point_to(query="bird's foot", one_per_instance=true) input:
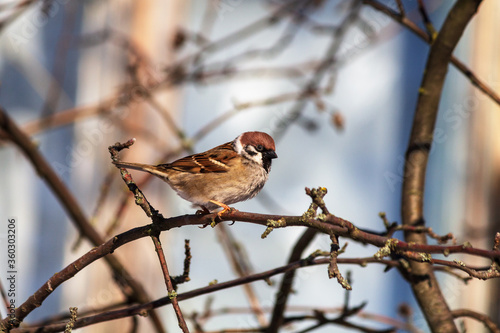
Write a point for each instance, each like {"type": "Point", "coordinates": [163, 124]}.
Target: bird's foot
{"type": "Point", "coordinates": [225, 208]}
{"type": "Point", "coordinates": [218, 218]}
{"type": "Point", "coordinates": [202, 211]}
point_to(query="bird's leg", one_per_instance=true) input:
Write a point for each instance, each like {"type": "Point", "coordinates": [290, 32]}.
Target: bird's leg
{"type": "Point", "coordinates": [225, 208]}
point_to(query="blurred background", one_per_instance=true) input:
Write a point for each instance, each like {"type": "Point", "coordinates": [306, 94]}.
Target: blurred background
{"type": "Point", "coordinates": [334, 82]}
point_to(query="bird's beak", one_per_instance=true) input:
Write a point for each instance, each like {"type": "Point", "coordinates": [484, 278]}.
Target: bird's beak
{"type": "Point", "coordinates": [270, 154]}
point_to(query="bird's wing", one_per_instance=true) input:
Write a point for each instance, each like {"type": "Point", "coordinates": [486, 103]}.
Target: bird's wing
{"type": "Point", "coordinates": [213, 160]}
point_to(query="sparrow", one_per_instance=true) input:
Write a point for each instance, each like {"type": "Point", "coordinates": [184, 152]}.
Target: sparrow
{"type": "Point", "coordinates": [232, 172]}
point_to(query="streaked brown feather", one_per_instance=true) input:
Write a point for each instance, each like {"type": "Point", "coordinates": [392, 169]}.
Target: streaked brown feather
{"type": "Point", "coordinates": [215, 161]}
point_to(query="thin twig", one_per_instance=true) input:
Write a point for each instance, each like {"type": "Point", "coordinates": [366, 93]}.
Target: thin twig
{"type": "Point", "coordinates": [333, 269]}
{"type": "Point", "coordinates": [172, 294]}
{"type": "Point", "coordinates": [403, 20]}
{"type": "Point", "coordinates": [155, 231]}
{"type": "Point", "coordinates": [241, 265]}
{"type": "Point", "coordinates": [431, 32]}
{"type": "Point", "coordinates": [147, 307]}
{"type": "Point", "coordinates": [326, 67]}
{"type": "Point", "coordinates": [328, 224]}
{"type": "Point", "coordinates": [128, 285]}
{"type": "Point", "coordinates": [401, 7]}
{"type": "Point", "coordinates": [487, 321]}
{"type": "Point", "coordinates": [287, 281]}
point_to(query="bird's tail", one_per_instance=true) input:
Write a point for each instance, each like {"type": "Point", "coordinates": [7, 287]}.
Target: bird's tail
{"type": "Point", "coordinates": [154, 170]}
{"type": "Point", "coordinates": [135, 166]}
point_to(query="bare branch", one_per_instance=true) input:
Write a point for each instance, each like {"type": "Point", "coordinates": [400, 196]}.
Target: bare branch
{"type": "Point", "coordinates": [488, 322]}
{"type": "Point", "coordinates": [423, 282]}
{"type": "Point", "coordinates": [405, 21]}
{"type": "Point", "coordinates": [172, 294]}
{"type": "Point", "coordinates": [129, 286]}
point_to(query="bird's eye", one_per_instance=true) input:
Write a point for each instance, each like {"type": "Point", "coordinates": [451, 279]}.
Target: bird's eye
{"type": "Point", "coordinates": [259, 148]}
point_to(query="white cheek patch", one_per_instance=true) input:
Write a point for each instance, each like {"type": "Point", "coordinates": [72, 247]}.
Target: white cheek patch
{"type": "Point", "coordinates": [238, 147]}
{"type": "Point", "coordinates": [256, 157]}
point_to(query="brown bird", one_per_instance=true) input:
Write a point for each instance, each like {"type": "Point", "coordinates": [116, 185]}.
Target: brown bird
{"type": "Point", "coordinates": [229, 173]}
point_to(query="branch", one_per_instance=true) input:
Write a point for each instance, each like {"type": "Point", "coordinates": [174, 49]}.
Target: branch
{"type": "Point", "coordinates": [241, 265]}
{"type": "Point", "coordinates": [143, 309]}
{"type": "Point", "coordinates": [128, 285]}
{"type": "Point", "coordinates": [325, 222]}
{"type": "Point", "coordinates": [403, 20]}
{"type": "Point", "coordinates": [327, 225]}
{"type": "Point", "coordinates": [141, 200]}
{"type": "Point", "coordinates": [325, 67]}
{"type": "Point", "coordinates": [487, 321]}
{"type": "Point", "coordinates": [287, 281]}
{"type": "Point", "coordinates": [423, 281]}
{"type": "Point", "coordinates": [172, 294]}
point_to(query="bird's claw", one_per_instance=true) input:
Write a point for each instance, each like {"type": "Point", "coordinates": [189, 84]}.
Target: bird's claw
{"type": "Point", "coordinates": [218, 217]}
{"type": "Point", "coordinates": [212, 222]}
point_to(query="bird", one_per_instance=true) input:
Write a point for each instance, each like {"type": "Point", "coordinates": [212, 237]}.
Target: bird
{"type": "Point", "coordinates": [232, 172]}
